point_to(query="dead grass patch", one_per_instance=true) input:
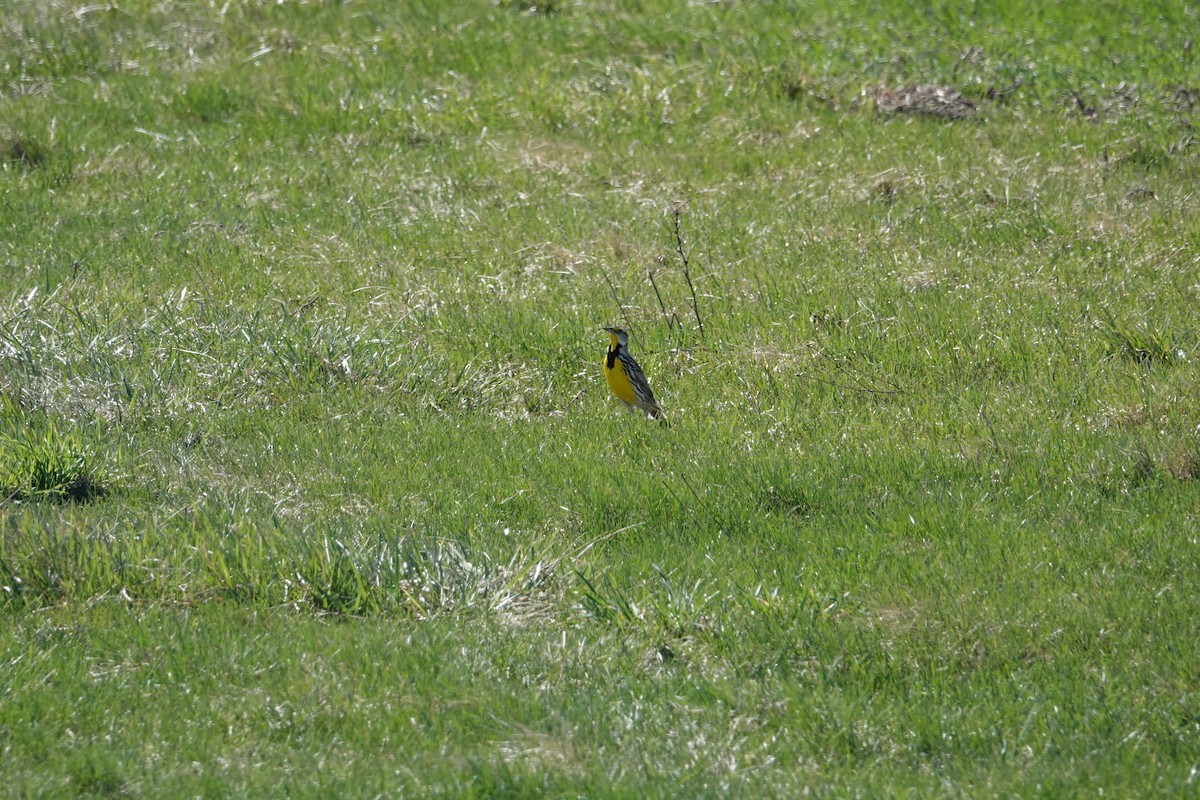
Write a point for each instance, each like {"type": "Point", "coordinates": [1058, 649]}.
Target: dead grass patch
{"type": "Point", "coordinates": [1092, 104]}
{"type": "Point", "coordinates": [921, 280]}
{"type": "Point", "coordinates": [120, 161]}
{"type": "Point", "coordinates": [512, 390]}
{"type": "Point", "coordinates": [1187, 97]}
{"type": "Point", "coordinates": [627, 252]}
{"type": "Point", "coordinates": [1123, 417]}
{"type": "Point", "coordinates": [551, 258]}
{"type": "Point", "coordinates": [538, 749]}
{"type": "Point", "coordinates": [893, 617]}
{"type": "Point", "coordinates": [924, 100]}
{"type": "Point", "coordinates": [558, 158]}
{"type": "Point", "coordinates": [1184, 465]}
{"type": "Point", "coordinates": [777, 360]}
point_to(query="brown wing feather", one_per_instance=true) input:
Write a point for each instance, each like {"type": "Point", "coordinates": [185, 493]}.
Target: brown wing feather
{"type": "Point", "coordinates": [641, 387]}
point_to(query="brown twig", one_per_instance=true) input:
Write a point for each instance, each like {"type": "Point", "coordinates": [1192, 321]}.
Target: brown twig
{"type": "Point", "coordinates": [687, 275]}
{"type": "Point", "coordinates": [857, 383]}
{"type": "Point", "coordinates": [666, 315]}
{"type": "Point", "coordinates": [859, 388]}
{"type": "Point", "coordinates": [620, 306]}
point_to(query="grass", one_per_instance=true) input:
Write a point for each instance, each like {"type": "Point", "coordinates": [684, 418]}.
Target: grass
{"type": "Point", "coordinates": [312, 487]}
{"type": "Point", "coordinates": [40, 463]}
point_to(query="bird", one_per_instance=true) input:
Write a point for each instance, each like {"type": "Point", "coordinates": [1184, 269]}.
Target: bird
{"type": "Point", "coordinates": [626, 378]}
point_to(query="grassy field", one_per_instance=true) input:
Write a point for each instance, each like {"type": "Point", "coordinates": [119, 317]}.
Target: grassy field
{"type": "Point", "coordinates": [310, 485]}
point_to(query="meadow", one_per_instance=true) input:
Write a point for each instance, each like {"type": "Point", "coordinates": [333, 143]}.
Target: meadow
{"type": "Point", "coordinates": [310, 485]}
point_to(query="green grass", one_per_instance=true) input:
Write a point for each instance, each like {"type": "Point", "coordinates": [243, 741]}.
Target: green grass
{"type": "Point", "coordinates": [310, 484]}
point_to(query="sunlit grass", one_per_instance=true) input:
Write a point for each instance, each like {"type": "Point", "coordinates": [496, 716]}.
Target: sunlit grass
{"type": "Point", "coordinates": [309, 299]}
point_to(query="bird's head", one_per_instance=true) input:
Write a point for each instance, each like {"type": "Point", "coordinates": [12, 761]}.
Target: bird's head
{"type": "Point", "coordinates": [619, 337]}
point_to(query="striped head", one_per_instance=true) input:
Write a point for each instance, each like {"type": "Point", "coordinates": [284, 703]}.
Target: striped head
{"type": "Point", "coordinates": [620, 339]}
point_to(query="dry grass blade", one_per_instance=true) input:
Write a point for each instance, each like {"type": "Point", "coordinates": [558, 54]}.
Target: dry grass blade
{"type": "Point", "coordinates": [676, 212]}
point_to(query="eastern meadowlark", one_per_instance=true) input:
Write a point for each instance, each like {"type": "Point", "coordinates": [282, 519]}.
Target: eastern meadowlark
{"type": "Point", "coordinates": [626, 378]}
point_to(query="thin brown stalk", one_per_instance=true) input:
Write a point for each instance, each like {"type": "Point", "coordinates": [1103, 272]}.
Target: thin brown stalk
{"type": "Point", "coordinates": [617, 299]}
{"type": "Point", "coordinates": [687, 275]}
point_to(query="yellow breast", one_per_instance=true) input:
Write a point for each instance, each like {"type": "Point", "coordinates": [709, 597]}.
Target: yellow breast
{"type": "Point", "coordinates": [618, 381]}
